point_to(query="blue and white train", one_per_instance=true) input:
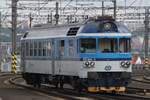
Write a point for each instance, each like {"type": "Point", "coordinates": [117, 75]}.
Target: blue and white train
{"type": "Point", "coordinates": [93, 56]}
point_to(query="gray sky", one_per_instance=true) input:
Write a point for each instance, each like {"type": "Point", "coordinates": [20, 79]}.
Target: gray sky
{"type": "Point", "coordinates": [120, 2]}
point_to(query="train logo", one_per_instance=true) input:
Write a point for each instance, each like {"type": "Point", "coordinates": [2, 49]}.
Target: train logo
{"type": "Point", "coordinates": [108, 68]}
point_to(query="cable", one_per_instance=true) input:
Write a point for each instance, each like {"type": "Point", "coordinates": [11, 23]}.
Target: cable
{"type": "Point", "coordinates": [132, 3]}
{"type": "Point", "coordinates": [67, 5]}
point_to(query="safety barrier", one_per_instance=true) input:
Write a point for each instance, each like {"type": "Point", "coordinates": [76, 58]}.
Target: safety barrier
{"type": "Point", "coordinates": [14, 63]}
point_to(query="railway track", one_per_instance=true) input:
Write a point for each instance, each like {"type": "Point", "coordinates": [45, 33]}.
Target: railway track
{"type": "Point", "coordinates": [69, 94]}
{"type": "Point", "coordinates": [145, 84]}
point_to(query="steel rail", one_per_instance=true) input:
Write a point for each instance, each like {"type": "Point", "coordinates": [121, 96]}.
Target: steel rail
{"type": "Point", "coordinates": [68, 93]}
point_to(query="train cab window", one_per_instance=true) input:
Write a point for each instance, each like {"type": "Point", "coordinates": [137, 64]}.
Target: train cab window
{"type": "Point", "coordinates": [108, 45]}
{"type": "Point", "coordinates": [88, 45]}
{"type": "Point", "coordinates": [124, 45]}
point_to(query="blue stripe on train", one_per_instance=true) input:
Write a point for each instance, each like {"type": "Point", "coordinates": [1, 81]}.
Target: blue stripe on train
{"type": "Point", "coordinates": [108, 59]}
{"type": "Point", "coordinates": [108, 56]}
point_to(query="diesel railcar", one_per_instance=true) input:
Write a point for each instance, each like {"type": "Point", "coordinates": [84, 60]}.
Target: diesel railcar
{"type": "Point", "coordinates": [93, 56]}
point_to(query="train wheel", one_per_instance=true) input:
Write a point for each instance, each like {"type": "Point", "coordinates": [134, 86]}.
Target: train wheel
{"type": "Point", "coordinates": [78, 85]}
{"type": "Point", "coordinates": [73, 84]}
{"type": "Point", "coordinates": [61, 85]}
{"type": "Point", "coordinates": [61, 82]}
{"type": "Point", "coordinates": [37, 81]}
{"type": "Point", "coordinates": [55, 82]}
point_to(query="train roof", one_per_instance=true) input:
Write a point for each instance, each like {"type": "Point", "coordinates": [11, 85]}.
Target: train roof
{"type": "Point", "coordinates": [49, 31]}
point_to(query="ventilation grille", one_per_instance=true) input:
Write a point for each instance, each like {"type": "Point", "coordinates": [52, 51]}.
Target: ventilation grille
{"type": "Point", "coordinates": [72, 31]}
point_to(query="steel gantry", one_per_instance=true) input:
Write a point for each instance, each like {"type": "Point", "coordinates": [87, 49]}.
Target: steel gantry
{"type": "Point", "coordinates": [45, 10]}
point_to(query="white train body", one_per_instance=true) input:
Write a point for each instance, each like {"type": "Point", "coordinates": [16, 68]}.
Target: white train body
{"type": "Point", "coordinates": [72, 68]}
{"type": "Point", "coordinates": [78, 52]}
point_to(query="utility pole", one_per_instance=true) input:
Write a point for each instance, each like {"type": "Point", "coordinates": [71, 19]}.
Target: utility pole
{"type": "Point", "coordinates": [146, 37]}
{"type": "Point", "coordinates": [51, 18]}
{"type": "Point", "coordinates": [30, 20]}
{"type": "Point", "coordinates": [48, 21]}
{"type": "Point", "coordinates": [103, 9]}
{"type": "Point", "coordinates": [115, 7]}
{"type": "Point", "coordinates": [0, 23]}
{"type": "Point", "coordinates": [14, 24]}
{"type": "Point", "coordinates": [0, 36]}
{"type": "Point", "coordinates": [57, 15]}
{"type": "Point", "coordinates": [14, 28]}
{"type": "Point", "coordinates": [125, 7]}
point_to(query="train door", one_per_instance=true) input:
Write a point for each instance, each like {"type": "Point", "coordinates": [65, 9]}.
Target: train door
{"type": "Point", "coordinates": [61, 52]}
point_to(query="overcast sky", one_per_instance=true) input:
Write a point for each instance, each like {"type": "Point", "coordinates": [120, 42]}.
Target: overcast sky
{"type": "Point", "coordinates": [120, 2]}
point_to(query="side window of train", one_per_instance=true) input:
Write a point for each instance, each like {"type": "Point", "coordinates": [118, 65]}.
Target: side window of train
{"type": "Point", "coordinates": [49, 48]}
{"type": "Point", "coordinates": [35, 48]}
{"type": "Point", "coordinates": [31, 48]}
{"type": "Point", "coordinates": [44, 48]}
{"type": "Point", "coordinates": [27, 48]}
{"type": "Point", "coordinates": [71, 48]}
{"type": "Point", "coordinates": [39, 48]}
{"type": "Point", "coordinates": [62, 48]}
{"type": "Point", "coordinates": [23, 49]}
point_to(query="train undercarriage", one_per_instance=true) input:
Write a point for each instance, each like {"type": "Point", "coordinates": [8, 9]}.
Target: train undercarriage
{"type": "Point", "coordinates": [108, 82]}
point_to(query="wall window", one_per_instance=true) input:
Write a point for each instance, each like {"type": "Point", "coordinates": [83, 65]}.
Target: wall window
{"type": "Point", "coordinates": [108, 45]}
{"type": "Point", "coordinates": [88, 45]}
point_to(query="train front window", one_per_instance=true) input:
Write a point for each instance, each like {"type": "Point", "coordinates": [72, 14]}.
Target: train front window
{"type": "Point", "coordinates": [124, 45]}
{"type": "Point", "coordinates": [108, 45]}
{"type": "Point", "coordinates": [88, 45]}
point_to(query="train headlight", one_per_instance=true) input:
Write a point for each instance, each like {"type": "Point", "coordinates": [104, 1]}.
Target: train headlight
{"type": "Point", "coordinates": [128, 63]}
{"type": "Point", "coordinates": [122, 64]}
{"type": "Point", "coordinates": [125, 64]}
{"type": "Point", "coordinates": [88, 64]}
{"type": "Point", "coordinates": [92, 64]}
